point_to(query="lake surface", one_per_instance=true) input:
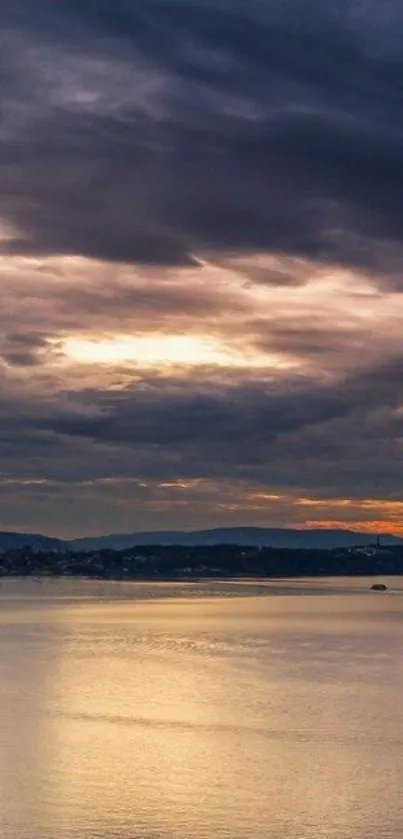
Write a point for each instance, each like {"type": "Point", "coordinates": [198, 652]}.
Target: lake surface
{"type": "Point", "coordinates": [224, 710]}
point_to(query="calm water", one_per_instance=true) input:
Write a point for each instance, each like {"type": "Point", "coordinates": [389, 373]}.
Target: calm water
{"type": "Point", "coordinates": [191, 712]}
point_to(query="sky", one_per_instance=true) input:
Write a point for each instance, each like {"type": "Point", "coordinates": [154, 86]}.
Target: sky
{"type": "Point", "coordinates": [201, 254]}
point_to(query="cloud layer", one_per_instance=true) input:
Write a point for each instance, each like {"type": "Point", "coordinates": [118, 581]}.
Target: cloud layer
{"type": "Point", "coordinates": [156, 130]}
{"type": "Point", "coordinates": [225, 173]}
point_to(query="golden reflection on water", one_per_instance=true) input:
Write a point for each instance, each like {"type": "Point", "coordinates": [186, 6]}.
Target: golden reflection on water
{"type": "Point", "coordinates": [177, 717]}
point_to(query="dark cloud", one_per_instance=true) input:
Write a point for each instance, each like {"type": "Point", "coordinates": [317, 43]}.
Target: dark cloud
{"type": "Point", "coordinates": [149, 131]}
{"type": "Point", "coordinates": [27, 339]}
{"type": "Point", "coordinates": [301, 337]}
{"type": "Point", "coordinates": [165, 416]}
{"type": "Point", "coordinates": [112, 449]}
{"type": "Point", "coordinates": [21, 358]}
{"type": "Point", "coordinates": [165, 428]}
{"type": "Point", "coordinates": [24, 349]}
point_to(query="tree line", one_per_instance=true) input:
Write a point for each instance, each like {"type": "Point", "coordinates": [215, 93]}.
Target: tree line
{"type": "Point", "coordinates": [180, 562]}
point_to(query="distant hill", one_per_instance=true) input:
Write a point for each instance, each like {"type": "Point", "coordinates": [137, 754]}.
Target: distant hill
{"type": "Point", "coordinates": [9, 540]}
{"type": "Point", "coordinates": [264, 536]}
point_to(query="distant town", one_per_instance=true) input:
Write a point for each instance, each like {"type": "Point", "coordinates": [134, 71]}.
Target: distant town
{"type": "Point", "coordinates": [173, 562]}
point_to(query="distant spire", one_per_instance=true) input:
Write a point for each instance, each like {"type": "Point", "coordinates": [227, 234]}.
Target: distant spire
{"type": "Point", "coordinates": [378, 541]}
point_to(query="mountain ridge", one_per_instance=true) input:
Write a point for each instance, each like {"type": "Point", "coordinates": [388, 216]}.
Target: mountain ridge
{"type": "Point", "coordinates": [10, 539]}
{"type": "Point", "coordinates": [259, 536]}
{"type": "Point", "coordinates": [275, 537]}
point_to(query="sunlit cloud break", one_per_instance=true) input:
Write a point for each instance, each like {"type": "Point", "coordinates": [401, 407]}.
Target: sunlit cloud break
{"type": "Point", "coordinates": [165, 351]}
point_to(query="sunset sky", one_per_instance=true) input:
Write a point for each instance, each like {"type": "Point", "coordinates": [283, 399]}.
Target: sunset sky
{"type": "Point", "coordinates": [201, 250]}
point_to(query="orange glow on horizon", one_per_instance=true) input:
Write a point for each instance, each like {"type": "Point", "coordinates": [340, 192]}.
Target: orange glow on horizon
{"type": "Point", "coordinates": [374, 526]}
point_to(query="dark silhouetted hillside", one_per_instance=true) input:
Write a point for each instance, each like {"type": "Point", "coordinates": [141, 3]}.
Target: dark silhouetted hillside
{"type": "Point", "coordinates": [254, 536]}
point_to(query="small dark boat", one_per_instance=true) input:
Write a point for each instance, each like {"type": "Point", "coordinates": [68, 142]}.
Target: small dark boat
{"type": "Point", "coordinates": [379, 587]}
